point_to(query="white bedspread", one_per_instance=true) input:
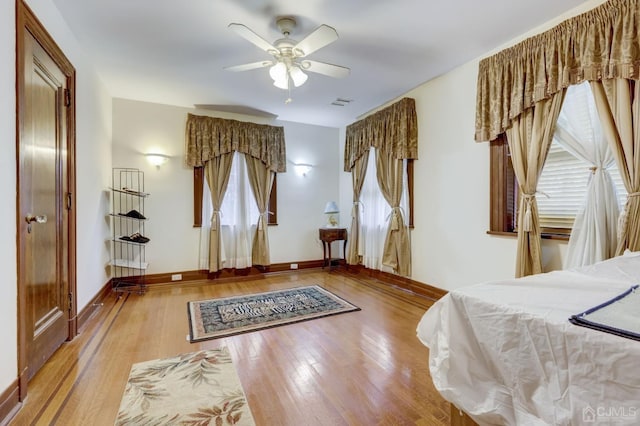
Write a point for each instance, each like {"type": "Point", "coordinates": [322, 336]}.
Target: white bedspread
{"type": "Point", "coordinates": [506, 354]}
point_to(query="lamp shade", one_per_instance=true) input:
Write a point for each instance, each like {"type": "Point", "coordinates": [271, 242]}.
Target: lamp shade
{"type": "Point", "coordinates": [281, 84]}
{"type": "Point", "coordinates": [297, 76]}
{"type": "Point", "coordinates": [331, 208]}
{"type": "Point", "coordinates": [278, 72]}
{"type": "Point", "coordinates": [280, 75]}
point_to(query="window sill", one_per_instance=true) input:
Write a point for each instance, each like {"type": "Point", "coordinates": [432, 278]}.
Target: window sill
{"type": "Point", "coordinates": [545, 235]}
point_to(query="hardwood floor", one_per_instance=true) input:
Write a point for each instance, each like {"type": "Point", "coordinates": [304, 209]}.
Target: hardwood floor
{"type": "Point", "coordinates": [358, 368]}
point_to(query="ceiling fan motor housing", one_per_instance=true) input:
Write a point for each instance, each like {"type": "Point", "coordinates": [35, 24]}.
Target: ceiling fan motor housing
{"type": "Point", "coordinates": [286, 24]}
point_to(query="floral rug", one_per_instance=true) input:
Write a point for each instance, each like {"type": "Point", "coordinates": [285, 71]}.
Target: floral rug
{"type": "Point", "coordinates": [199, 388]}
{"type": "Point", "coordinates": [210, 319]}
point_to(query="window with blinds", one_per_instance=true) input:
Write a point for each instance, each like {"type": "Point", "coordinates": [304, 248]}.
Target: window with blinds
{"type": "Point", "coordinates": [563, 183]}
{"type": "Point", "coordinates": [562, 187]}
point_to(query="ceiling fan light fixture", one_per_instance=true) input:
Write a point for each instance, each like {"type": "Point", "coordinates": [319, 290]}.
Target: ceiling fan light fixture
{"type": "Point", "coordinates": [280, 75]}
{"type": "Point", "coordinates": [281, 84]}
{"type": "Point", "coordinates": [297, 76]}
{"type": "Point", "coordinates": [278, 72]}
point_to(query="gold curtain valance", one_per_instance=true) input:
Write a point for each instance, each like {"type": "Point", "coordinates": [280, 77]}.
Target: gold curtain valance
{"type": "Point", "coordinates": [600, 44]}
{"type": "Point", "coordinates": [393, 129]}
{"type": "Point", "coordinates": [210, 137]}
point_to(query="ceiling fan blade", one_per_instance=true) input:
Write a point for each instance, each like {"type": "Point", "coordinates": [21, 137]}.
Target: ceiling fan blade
{"type": "Point", "coordinates": [251, 66]}
{"type": "Point", "coordinates": [252, 37]}
{"type": "Point", "coordinates": [331, 70]}
{"type": "Point", "coordinates": [319, 38]}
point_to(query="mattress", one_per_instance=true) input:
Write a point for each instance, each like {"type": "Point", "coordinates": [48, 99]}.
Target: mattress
{"type": "Point", "coordinates": [506, 353]}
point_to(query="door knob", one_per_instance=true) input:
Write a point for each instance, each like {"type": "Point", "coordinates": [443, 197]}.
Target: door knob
{"type": "Point", "coordinates": [30, 218]}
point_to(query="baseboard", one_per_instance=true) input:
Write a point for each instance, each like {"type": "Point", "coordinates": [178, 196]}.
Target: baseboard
{"type": "Point", "coordinates": [257, 272]}
{"type": "Point", "coordinates": [226, 275]}
{"type": "Point", "coordinates": [302, 264]}
{"type": "Point", "coordinates": [93, 304]}
{"type": "Point", "coordinates": [405, 283]}
{"type": "Point", "coordinates": [9, 403]}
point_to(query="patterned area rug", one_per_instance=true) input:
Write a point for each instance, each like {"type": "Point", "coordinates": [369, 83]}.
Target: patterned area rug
{"type": "Point", "coordinates": [210, 319]}
{"type": "Point", "coordinates": [199, 388]}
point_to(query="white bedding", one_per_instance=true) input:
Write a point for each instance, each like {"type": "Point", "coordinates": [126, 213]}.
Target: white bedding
{"type": "Point", "coordinates": [506, 354]}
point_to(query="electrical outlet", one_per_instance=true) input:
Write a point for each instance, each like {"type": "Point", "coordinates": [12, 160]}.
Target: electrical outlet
{"type": "Point", "coordinates": [294, 266]}
{"type": "Point", "coordinates": [176, 277]}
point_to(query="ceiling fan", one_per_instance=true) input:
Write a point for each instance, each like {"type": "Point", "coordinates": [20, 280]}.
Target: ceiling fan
{"type": "Point", "coordinates": [289, 56]}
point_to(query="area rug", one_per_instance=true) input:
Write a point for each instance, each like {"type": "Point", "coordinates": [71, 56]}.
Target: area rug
{"type": "Point", "coordinates": [199, 388]}
{"type": "Point", "coordinates": [210, 319]}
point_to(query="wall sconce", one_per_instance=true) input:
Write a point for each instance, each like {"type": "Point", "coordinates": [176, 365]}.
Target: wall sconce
{"type": "Point", "coordinates": [302, 169]}
{"type": "Point", "coordinates": [157, 159]}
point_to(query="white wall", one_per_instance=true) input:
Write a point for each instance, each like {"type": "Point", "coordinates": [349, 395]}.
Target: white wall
{"type": "Point", "coordinates": [301, 199]}
{"type": "Point", "coordinates": [8, 305]}
{"type": "Point", "coordinates": [140, 127]}
{"type": "Point", "coordinates": [451, 217]}
{"type": "Point", "coordinates": [450, 246]}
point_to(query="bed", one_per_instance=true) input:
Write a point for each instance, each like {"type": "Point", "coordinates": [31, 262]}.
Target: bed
{"type": "Point", "coordinates": [505, 353]}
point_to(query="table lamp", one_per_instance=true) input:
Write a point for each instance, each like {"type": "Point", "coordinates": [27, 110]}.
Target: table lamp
{"type": "Point", "coordinates": [331, 209]}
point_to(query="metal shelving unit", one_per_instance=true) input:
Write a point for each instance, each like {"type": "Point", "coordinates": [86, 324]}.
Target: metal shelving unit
{"type": "Point", "coordinates": [128, 243]}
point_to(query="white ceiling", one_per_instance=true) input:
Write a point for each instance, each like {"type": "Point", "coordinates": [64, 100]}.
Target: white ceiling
{"type": "Point", "coordinates": [173, 52]}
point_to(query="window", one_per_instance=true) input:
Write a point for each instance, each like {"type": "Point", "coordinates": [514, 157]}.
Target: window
{"type": "Point", "coordinates": [504, 188]}
{"type": "Point", "coordinates": [562, 185]}
{"type": "Point", "coordinates": [198, 184]}
{"type": "Point", "coordinates": [409, 170]}
{"type": "Point", "coordinates": [238, 219]}
{"type": "Point", "coordinates": [238, 204]}
{"type": "Point", "coordinates": [375, 213]}
{"type": "Point", "coordinates": [561, 189]}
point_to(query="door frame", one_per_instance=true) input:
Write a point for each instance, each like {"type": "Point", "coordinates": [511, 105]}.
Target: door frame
{"type": "Point", "coordinates": [26, 21]}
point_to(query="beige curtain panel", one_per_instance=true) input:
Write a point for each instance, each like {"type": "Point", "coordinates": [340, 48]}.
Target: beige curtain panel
{"type": "Point", "coordinates": [393, 129]}
{"type": "Point", "coordinates": [529, 138]}
{"type": "Point", "coordinates": [357, 179]}
{"type": "Point", "coordinates": [210, 137]}
{"type": "Point", "coordinates": [397, 246]}
{"type": "Point", "coordinates": [261, 180]}
{"type": "Point", "coordinates": [600, 44]}
{"type": "Point", "coordinates": [618, 105]}
{"type": "Point", "coordinates": [217, 171]}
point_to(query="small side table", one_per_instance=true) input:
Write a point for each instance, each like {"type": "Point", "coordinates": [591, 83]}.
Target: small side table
{"type": "Point", "coordinates": [329, 235]}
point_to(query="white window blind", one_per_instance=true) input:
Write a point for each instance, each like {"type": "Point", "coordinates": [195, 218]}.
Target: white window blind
{"type": "Point", "coordinates": [562, 187]}
{"type": "Point", "coordinates": [578, 143]}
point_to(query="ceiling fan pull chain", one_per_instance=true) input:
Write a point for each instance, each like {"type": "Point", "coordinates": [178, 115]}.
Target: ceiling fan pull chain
{"type": "Point", "coordinates": [288, 100]}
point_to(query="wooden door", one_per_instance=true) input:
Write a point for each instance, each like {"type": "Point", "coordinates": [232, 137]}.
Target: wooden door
{"type": "Point", "coordinates": [46, 254]}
